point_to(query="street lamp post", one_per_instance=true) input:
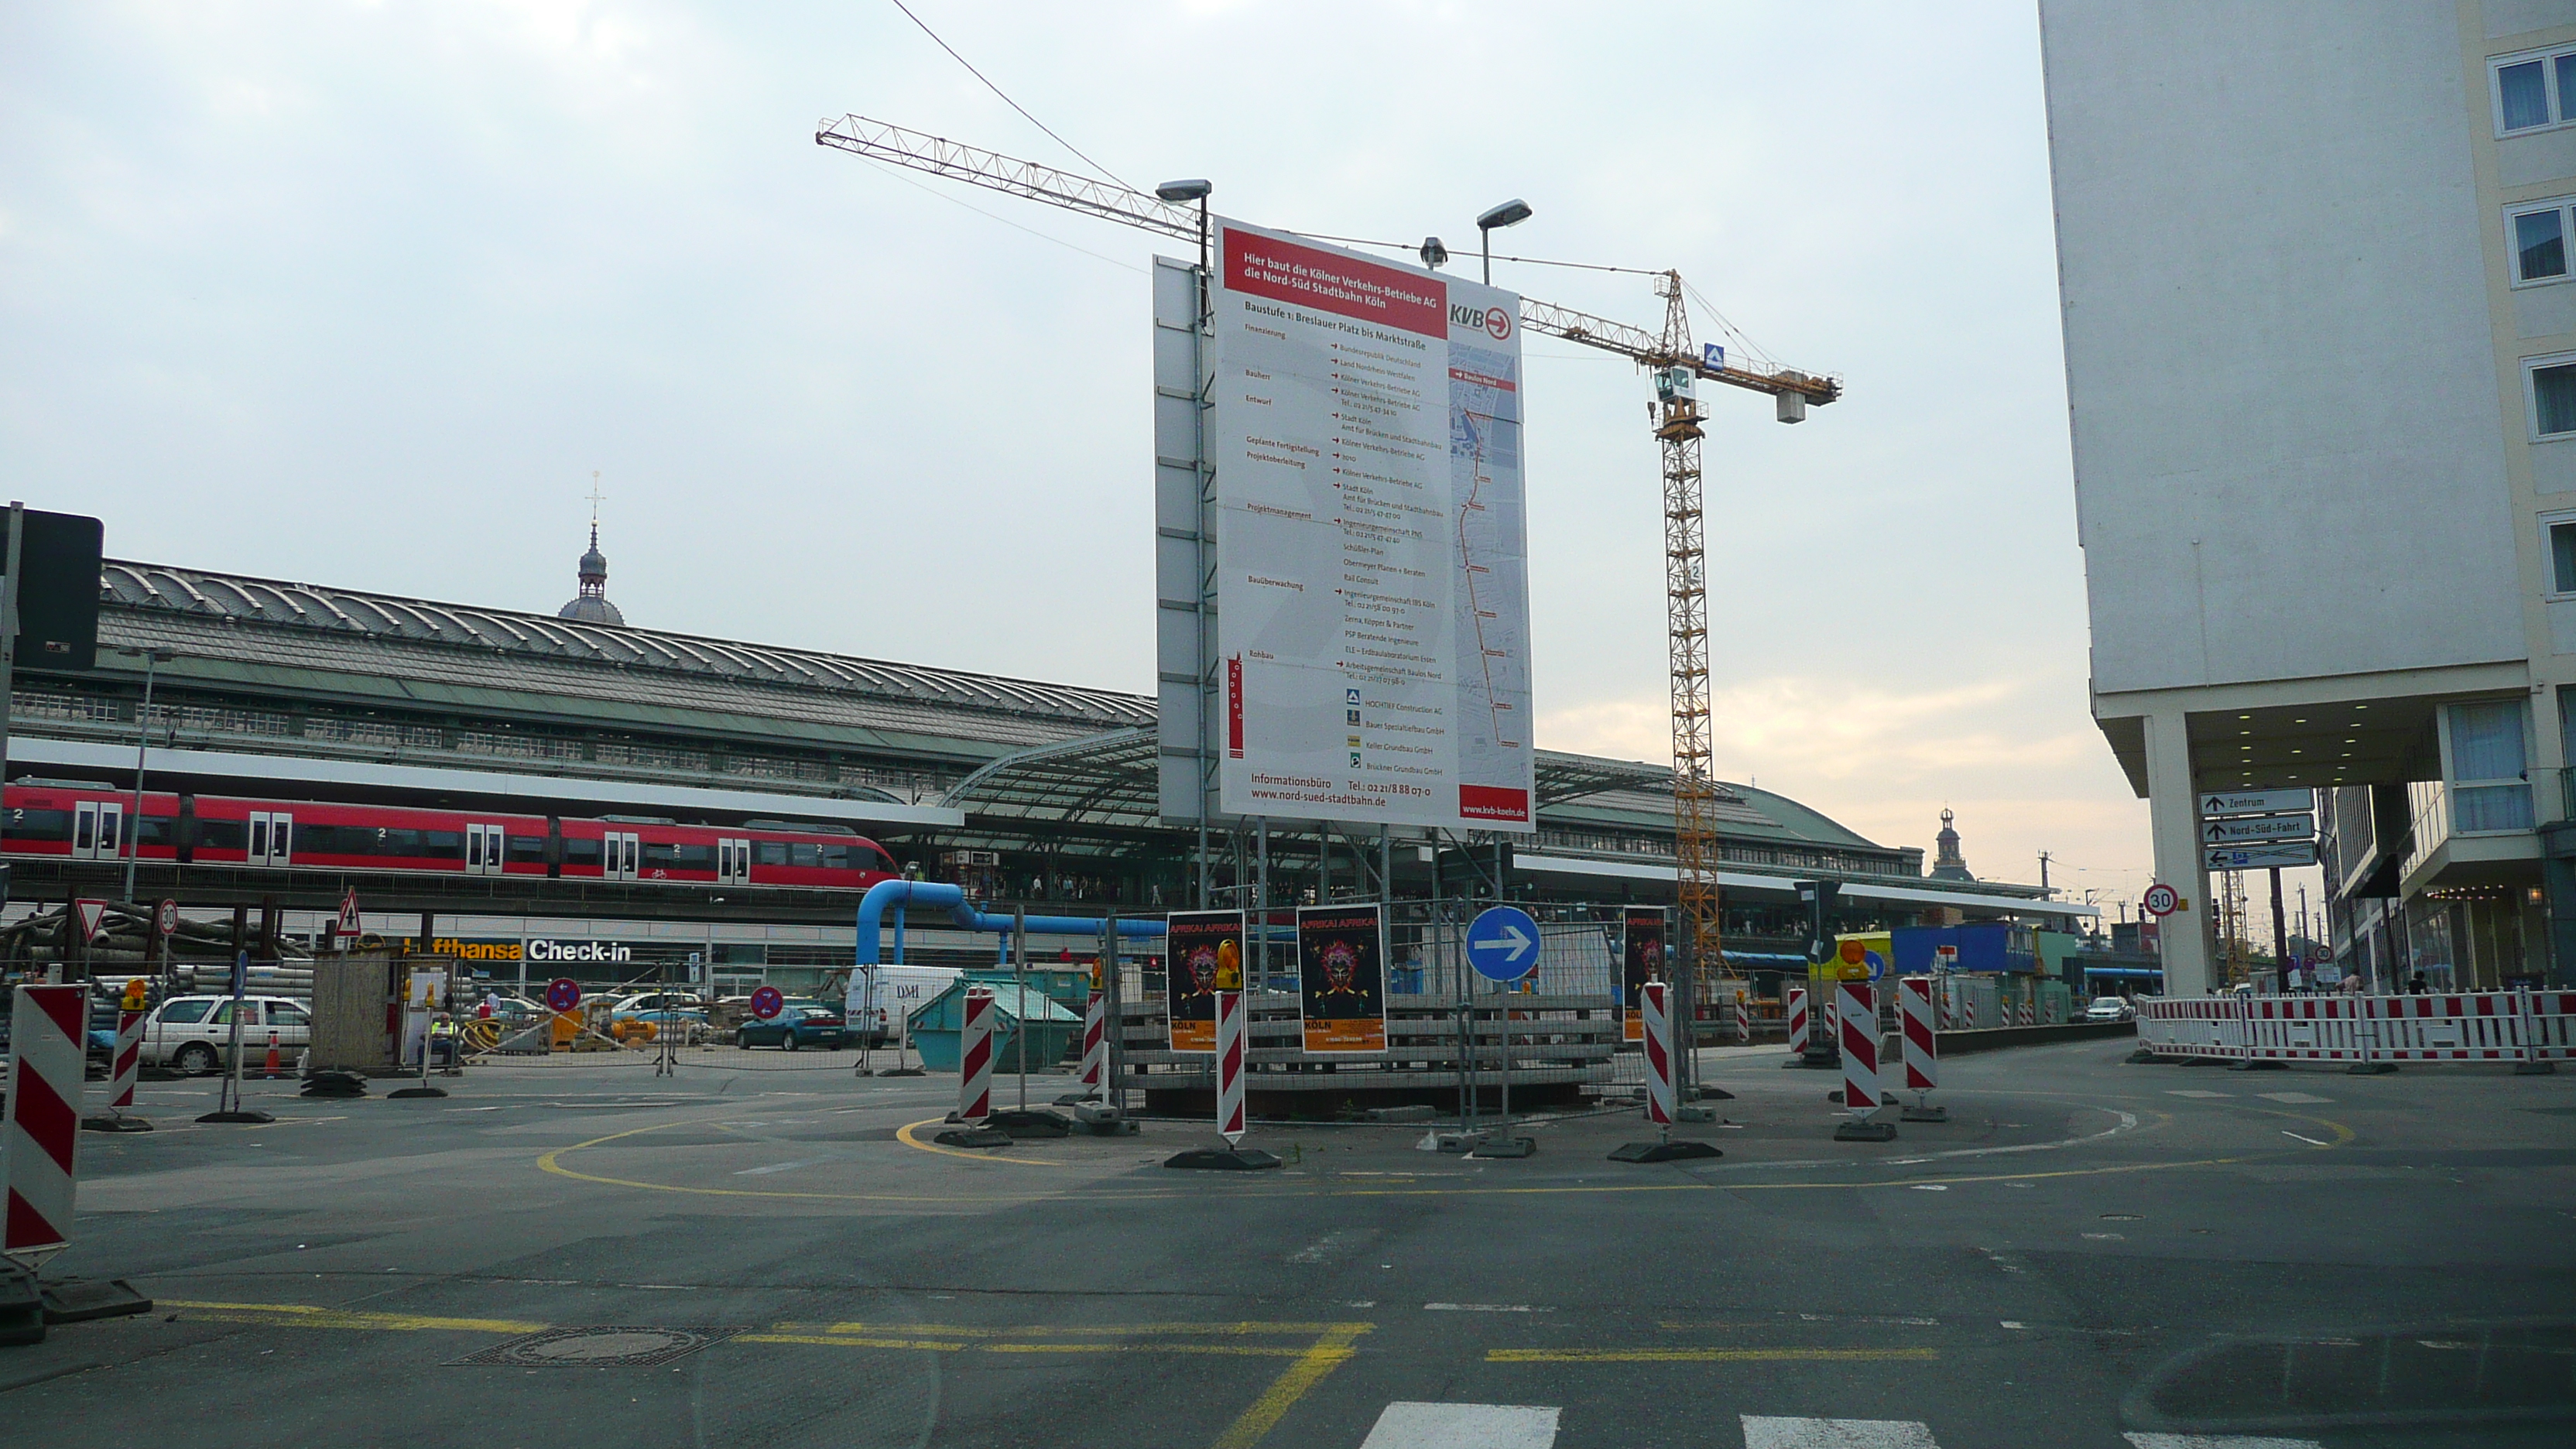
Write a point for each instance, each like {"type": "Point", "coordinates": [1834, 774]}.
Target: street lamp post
{"type": "Point", "coordinates": [1510, 213]}
{"type": "Point", "coordinates": [142, 743]}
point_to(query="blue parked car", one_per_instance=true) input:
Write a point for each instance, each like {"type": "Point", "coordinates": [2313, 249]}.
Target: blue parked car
{"type": "Point", "coordinates": [798, 1024]}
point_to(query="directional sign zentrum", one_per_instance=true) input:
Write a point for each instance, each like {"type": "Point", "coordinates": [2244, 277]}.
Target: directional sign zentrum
{"type": "Point", "coordinates": [2257, 802]}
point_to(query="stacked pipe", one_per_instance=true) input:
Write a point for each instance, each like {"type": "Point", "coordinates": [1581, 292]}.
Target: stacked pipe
{"type": "Point", "coordinates": [124, 939]}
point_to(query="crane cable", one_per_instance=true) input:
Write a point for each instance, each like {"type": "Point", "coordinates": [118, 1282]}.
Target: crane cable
{"type": "Point", "coordinates": [1006, 100]}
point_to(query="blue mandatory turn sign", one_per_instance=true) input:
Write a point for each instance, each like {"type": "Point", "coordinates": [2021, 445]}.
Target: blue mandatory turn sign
{"type": "Point", "coordinates": [1502, 943]}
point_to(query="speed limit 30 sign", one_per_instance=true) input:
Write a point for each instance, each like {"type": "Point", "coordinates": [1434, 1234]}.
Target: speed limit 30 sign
{"type": "Point", "coordinates": [2161, 900]}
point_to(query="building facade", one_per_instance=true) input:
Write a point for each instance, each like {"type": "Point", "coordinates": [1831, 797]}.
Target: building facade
{"type": "Point", "coordinates": [2320, 335]}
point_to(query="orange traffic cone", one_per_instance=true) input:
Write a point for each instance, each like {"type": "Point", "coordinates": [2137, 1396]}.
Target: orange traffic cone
{"type": "Point", "coordinates": [273, 1070]}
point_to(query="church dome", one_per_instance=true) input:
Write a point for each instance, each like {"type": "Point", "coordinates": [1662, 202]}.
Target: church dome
{"type": "Point", "coordinates": [591, 605]}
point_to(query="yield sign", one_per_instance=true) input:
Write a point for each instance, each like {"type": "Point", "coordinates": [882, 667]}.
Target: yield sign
{"type": "Point", "coordinates": [91, 914]}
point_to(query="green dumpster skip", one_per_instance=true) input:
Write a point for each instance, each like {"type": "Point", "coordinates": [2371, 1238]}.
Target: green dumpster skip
{"type": "Point", "coordinates": [936, 1024]}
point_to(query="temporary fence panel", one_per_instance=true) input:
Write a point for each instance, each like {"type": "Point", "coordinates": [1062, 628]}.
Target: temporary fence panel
{"type": "Point", "coordinates": [2453, 1027]}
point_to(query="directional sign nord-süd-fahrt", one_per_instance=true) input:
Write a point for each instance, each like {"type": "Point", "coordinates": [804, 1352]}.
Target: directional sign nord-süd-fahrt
{"type": "Point", "coordinates": [2258, 827]}
{"type": "Point", "coordinates": [2256, 802]}
{"type": "Point", "coordinates": [2259, 857]}
{"type": "Point", "coordinates": [1502, 943]}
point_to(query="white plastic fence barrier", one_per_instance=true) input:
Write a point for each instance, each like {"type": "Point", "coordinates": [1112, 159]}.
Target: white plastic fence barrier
{"type": "Point", "coordinates": [2488, 1026]}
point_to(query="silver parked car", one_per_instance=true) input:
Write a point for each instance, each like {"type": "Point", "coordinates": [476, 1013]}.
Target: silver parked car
{"type": "Point", "coordinates": [190, 1033]}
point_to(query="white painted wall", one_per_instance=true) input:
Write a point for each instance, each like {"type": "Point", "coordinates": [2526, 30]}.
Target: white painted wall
{"type": "Point", "coordinates": [2288, 457]}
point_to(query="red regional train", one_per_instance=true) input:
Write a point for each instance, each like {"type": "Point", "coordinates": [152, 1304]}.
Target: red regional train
{"type": "Point", "coordinates": [76, 820]}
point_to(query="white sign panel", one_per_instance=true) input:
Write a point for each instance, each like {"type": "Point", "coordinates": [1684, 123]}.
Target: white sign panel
{"type": "Point", "coordinates": [2257, 857]}
{"type": "Point", "coordinates": [1372, 588]}
{"type": "Point", "coordinates": [2259, 827]}
{"type": "Point", "coordinates": [2257, 802]}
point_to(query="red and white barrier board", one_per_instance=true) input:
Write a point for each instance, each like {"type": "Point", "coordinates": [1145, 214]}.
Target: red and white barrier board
{"type": "Point", "coordinates": [1659, 1053]}
{"type": "Point", "coordinates": [975, 1059]}
{"type": "Point", "coordinates": [1229, 1066]}
{"type": "Point", "coordinates": [48, 1031]}
{"type": "Point", "coordinates": [129, 1060]}
{"type": "Point", "coordinates": [2489, 1026]}
{"type": "Point", "coordinates": [1856, 1003]}
{"type": "Point", "coordinates": [1095, 1044]}
{"type": "Point", "coordinates": [1922, 1049]}
{"type": "Point", "coordinates": [1797, 1021]}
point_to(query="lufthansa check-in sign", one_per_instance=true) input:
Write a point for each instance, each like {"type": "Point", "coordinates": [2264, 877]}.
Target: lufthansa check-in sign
{"type": "Point", "coordinates": [2258, 827]}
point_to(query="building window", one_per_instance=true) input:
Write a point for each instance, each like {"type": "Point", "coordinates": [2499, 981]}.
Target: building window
{"type": "Point", "coordinates": [2539, 242]}
{"type": "Point", "coordinates": [2562, 555]}
{"type": "Point", "coordinates": [2532, 91]}
{"type": "Point", "coordinates": [2553, 396]}
{"type": "Point", "coordinates": [2489, 787]}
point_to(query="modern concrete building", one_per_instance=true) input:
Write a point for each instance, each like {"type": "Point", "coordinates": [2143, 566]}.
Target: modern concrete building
{"type": "Point", "coordinates": [2321, 364]}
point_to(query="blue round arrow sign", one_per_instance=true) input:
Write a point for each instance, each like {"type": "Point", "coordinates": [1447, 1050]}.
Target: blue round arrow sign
{"type": "Point", "coordinates": [1502, 943]}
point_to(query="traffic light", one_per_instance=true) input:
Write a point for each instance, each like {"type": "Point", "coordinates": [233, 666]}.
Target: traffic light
{"type": "Point", "coordinates": [1818, 897]}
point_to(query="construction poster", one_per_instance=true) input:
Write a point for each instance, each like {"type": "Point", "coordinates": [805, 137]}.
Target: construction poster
{"type": "Point", "coordinates": [1202, 952]}
{"type": "Point", "coordinates": [1341, 977]}
{"type": "Point", "coordinates": [1642, 958]}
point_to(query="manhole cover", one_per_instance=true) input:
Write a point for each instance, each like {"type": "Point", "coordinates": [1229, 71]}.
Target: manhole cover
{"type": "Point", "coordinates": [599, 1347]}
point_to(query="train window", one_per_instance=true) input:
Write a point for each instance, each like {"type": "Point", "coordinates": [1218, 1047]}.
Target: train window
{"type": "Point", "coordinates": [395, 840]}
{"type": "Point", "coordinates": [443, 844]}
{"type": "Point", "coordinates": [527, 850]}
{"type": "Point", "coordinates": [836, 857]}
{"type": "Point", "coordinates": [222, 834]}
{"type": "Point", "coordinates": [694, 857]}
{"type": "Point", "coordinates": [40, 825]}
{"type": "Point", "coordinates": [661, 853]}
{"type": "Point", "coordinates": [581, 852]}
{"type": "Point", "coordinates": [156, 830]}
{"type": "Point", "coordinates": [805, 853]}
{"type": "Point", "coordinates": [769, 852]}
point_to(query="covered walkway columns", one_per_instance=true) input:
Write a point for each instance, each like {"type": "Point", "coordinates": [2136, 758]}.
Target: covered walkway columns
{"type": "Point", "coordinates": [2173, 812]}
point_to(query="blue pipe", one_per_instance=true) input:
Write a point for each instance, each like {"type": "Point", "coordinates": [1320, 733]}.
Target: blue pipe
{"type": "Point", "coordinates": [900, 893]}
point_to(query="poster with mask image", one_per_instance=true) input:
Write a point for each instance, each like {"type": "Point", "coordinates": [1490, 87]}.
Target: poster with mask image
{"type": "Point", "coordinates": [1341, 977]}
{"type": "Point", "coordinates": [1202, 953]}
{"type": "Point", "coordinates": [1642, 957]}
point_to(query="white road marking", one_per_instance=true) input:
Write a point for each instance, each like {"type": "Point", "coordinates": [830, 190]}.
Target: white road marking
{"type": "Point", "coordinates": [1325, 1246]}
{"type": "Point", "coordinates": [2190, 1092]}
{"type": "Point", "coordinates": [2216, 1442]}
{"type": "Point", "coordinates": [2109, 1237]}
{"type": "Point", "coordinates": [1767, 1433]}
{"type": "Point", "coordinates": [2312, 1142]}
{"type": "Point", "coordinates": [1483, 1308]}
{"type": "Point", "coordinates": [778, 1167]}
{"type": "Point", "coordinates": [1931, 1187]}
{"type": "Point", "coordinates": [2295, 1099]}
{"type": "Point", "coordinates": [1463, 1426]}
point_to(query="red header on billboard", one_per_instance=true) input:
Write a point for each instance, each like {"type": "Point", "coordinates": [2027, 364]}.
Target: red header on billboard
{"type": "Point", "coordinates": [1493, 802]}
{"type": "Point", "coordinates": [1330, 282]}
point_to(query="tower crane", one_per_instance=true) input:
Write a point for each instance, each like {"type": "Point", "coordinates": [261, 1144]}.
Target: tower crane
{"type": "Point", "coordinates": [1678, 366]}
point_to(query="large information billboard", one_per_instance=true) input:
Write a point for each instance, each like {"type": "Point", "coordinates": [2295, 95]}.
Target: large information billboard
{"type": "Point", "coordinates": [1371, 553]}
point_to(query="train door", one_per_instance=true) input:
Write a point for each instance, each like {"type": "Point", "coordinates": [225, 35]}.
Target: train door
{"type": "Point", "coordinates": [97, 831]}
{"type": "Point", "coordinates": [272, 838]}
{"type": "Point", "coordinates": [483, 848]}
{"type": "Point", "coordinates": [733, 861]}
{"type": "Point", "coordinates": [622, 856]}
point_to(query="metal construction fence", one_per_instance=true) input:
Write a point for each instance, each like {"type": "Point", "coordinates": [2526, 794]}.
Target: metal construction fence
{"type": "Point", "coordinates": [2491, 1026]}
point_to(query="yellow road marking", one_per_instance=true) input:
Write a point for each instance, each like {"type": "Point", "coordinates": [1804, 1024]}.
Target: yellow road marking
{"type": "Point", "coordinates": [1105, 1330]}
{"type": "Point", "coordinates": [904, 1135]}
{"type": "Point", "coordinates": [1329, 1352]}
{"type": "Point", "coordinates": [553, 1162]}
{"type": "Point", "coordinates": [1710, 1355]}
{"type": "Point", "coordinates": [926, 1345]}
{"type": "Point", "coordinates": [303, 1315]}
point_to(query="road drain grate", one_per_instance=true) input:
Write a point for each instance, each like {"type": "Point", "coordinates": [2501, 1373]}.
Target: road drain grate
{"type": "Point", "coordinates": [599, 1347]}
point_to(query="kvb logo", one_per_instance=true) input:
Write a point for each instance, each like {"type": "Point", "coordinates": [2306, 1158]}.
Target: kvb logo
{"type": "Point", "coordinates": [1495, 322]}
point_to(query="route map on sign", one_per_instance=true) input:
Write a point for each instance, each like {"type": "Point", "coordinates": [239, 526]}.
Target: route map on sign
{"type": "Point", "coordinates": [1372, 579]}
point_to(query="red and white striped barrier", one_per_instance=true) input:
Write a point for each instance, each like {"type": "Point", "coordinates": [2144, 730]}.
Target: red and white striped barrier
{"type": "Point", "coordinates": [975, 1059]}
{"type": "Point", "coordinates": [1856, 1002]}
{"type": "Point", "coordinates": [1095, 1044]}
{"type": "Point", "coordinates": [1797, 1021]}
{"type": "Point", "coordinates": [1922, 1049]}
{"type": "Point", "coordinates": [129, 1061]}
{"type": "Point", "coordinates": [2489, 1026]}
{"type": "Point", "coordinates": [1659, 1053]}
{"type": "Point", "coordinates": [1743, 1020]}
{"type": "Point", "coordinates": [48, 1032]}
{"type": "Point", "coordinates": [1229, 1066]}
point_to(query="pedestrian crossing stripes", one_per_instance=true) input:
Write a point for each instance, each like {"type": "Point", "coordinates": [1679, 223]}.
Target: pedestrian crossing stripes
{"type": "Point", "coordinates": [1415, 1425]}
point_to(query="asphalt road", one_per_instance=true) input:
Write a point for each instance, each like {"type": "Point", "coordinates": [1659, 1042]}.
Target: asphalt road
{"type": "Point", "coordinates": [2090, 1254]}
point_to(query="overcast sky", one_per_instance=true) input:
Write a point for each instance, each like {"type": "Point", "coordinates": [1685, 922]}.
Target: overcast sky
{"type": "Point", "coordinates": [363, 293]}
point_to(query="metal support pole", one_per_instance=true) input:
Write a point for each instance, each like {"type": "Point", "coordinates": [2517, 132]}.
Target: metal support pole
{"type": "Point", "coordinates": [1261, 898]}
{"type": "Point", "coordinates": [2280, 935]}
{"type": "Point", "coordinates": [142, 742]}
{"type": "Point", "coordinates": [1020, 983]}
{"type": "Point", "coordinates": [1115, 1023]}
{"type": "Point", "coordinates": [9, 629]}
{"type": "Point", "coordinates": [1385, 864]}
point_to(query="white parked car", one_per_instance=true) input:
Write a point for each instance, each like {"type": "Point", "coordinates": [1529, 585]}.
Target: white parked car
{"type": "Point", "coordinates": [190, 1033]}
{"type": "Point", "coordinates": [2109, 1008]}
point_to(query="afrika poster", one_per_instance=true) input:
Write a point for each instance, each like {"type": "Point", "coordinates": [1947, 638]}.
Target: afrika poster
{"type": "Point", "coordinates": [1642, 960]}
{"type": "Point", "coordinates": [1202, 950]}
{"type": "Point", "coordinates": [1341, 977]}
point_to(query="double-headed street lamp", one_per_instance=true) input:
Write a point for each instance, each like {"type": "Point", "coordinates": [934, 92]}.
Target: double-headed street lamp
{"type": "Point", "coordinates": [142, 742]}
